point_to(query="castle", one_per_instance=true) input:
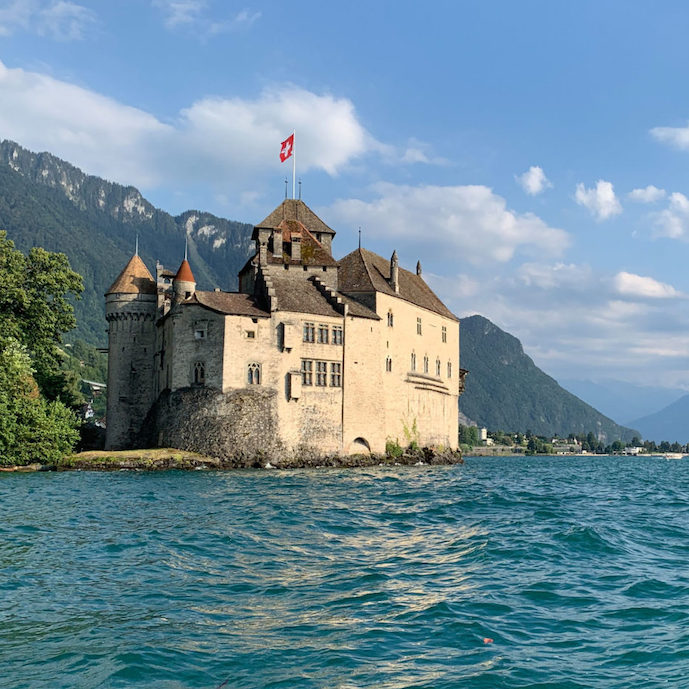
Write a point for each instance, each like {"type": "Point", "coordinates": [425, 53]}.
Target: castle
{"type": "Point", "coordinates": [310, 354]}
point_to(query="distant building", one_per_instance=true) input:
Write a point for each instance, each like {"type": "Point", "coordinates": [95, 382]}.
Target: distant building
{"type": "Point", "coordinates": [309, 354]}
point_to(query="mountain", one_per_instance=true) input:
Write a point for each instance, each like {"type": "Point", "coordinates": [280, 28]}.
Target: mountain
{"type": "Point", "coordinates": [45, 201]}
{"type": "Point", "coordinates": [620, 400]}
{"type": "Point", "coordinates": [671, 423]}
{"type": "Point", "coordinates": [506, 391]}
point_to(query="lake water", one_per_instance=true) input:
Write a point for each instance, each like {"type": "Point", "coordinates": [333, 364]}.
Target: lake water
{"type": "Point", "coordinates": [576, 568]}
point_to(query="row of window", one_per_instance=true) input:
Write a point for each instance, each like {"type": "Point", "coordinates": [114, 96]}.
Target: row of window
{"type": "Point", "coordinates": [419, 326]}
{"type": "Point", "coordinates": [253, 373]}
{"type": "Point", "coordinates": [326, 334]}
{"type": "Point", "coordinates": [426, 365]}
{"type": "Point", "coordinates": [321, 373]}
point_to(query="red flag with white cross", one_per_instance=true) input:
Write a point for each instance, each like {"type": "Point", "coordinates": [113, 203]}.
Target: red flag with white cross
{"type": "Point", "coordinates": [287, 148]}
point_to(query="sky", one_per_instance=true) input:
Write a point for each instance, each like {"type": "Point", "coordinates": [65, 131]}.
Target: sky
{"type": "Point", "coordinates": [534, 155]}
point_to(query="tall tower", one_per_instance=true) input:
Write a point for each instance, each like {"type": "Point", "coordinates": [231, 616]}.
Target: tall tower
{"type": "Point", "coordinates": [130, 309]}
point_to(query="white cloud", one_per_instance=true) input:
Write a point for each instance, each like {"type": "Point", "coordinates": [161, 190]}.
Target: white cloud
{"type": "Point", "coordinates": [673, 221]}
{"type": "Point", "coordinates": [194, 14]}
{"type": "Point", "coordinates": [61, 20]}
{"type": "Point", "coordinates": [600, 200]}
{"type": "Point", "coordinates": [215, 141]}
{"type": "Point", "coordinates": [678, 137]}
{"type": "Point", "coordinates": [467, 223]}
{"type": "Point", "coordinates": [641, 287]}
{"type": "Point", "coordinates": [577, 322]}
{"type": "Point", "coordinates": [533, 181]}
{"type": "Point", "coordinates": [649, 194]}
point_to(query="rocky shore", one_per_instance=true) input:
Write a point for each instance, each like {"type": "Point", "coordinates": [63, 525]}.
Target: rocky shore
{"type": "Point", "coordinates": [170, 459]}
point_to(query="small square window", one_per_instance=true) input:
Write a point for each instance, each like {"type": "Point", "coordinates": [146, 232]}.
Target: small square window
{"type": "Point", "coordinates": [200, 334]}
{"type": "Point", "coordinates": [251, 334]}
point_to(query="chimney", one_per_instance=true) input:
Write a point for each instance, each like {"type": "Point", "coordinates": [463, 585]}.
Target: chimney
{"type": "Point", "coordinates": [418, 268]}
{"type": "Point", "coordinates": [296, 246]}
{"type": "Point", "coordinates": [277, 244]}
{"type": "Point", "coordinates": [394, 272]}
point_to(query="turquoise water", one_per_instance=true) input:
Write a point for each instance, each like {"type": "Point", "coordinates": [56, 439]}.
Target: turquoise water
{"type": "Point", "coordinates": [576, 568]}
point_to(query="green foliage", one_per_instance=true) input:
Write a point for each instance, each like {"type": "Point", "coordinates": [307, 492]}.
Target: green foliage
{"type": "Point", "coordinates": [32, 429]}
{"type": "Point", "coordinates": [35, 311]}
{"type": "Point", "coordinates": [411, 434]}
{"type": "Point", "coordinates": [468, 435]}
{"type": "Point", "coordinates": [505, 389]}
{"type": "Point", "coordinates": [393, 448]}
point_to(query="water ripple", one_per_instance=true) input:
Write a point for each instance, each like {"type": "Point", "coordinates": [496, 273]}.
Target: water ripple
{"type": "Point", "coordinates": [504, 572]}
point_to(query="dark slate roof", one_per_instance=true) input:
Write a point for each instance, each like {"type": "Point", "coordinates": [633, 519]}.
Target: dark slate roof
{"type": "Point", "coordinates": [234, 303]}
{"type": "Point", "coordinates": [364, 271]}
{"type": "Point", "coordinates": [135, 278]}
{"type": "Point", "coordinates": [301, 296]}
{"type": "Point", "coordinates": [296, 209]}
{"type": "Point", "coordinates": [312, 251]}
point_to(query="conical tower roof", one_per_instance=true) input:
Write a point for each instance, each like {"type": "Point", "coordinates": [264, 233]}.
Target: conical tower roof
{"type": "Point", "coordinates": [184, 273]}
{"type": "Point", "coordinates": [134, 279]}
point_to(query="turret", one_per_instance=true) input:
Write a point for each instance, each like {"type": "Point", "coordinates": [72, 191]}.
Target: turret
{"type": "Point", "coordinates": [184, 284]}
{"type": "Point", "coordinates": [395, 272]}
{"type": "Point", "coordinates": [130, 310]}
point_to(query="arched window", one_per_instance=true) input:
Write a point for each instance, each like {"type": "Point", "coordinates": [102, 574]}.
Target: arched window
{"type": "Point", "coordinates": [437, 368]}
{"type": "Point", "coordinates": [413, 361]}
{"type": "Point", "coordinates": [388, 364]}
{"type": "Point", "coordinates": [254, 374]}
{"type": "Point", "coordinates": [199, 373]}
{"type": "Point", "coordinates": [391, 319]}
{"type": "Point", "coordinates": [425, 364]}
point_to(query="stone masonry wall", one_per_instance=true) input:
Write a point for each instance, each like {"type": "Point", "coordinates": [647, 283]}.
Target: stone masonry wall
{"type": "Point", "coordinates": [237, 425]}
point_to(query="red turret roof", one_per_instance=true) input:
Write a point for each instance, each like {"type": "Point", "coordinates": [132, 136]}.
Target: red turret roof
{"type": "Point", "coordinates": [184, 273]}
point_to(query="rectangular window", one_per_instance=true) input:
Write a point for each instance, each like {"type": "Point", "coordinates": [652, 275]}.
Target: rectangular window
{"type": "Point", "coordinates": [321, 373]}
{"type": "Point", "coordinates": [336, 375]}
{"type": "Point", "coordinates": [337, 335]}
{"type": "Point", "coordinates": [309, 332]}
{"type": "Point", "coordinates": [323, 333]}
{"type": "Point", "coordinates": [200, 334]}
{"type": "Point", "coordinates": [306, 372]}
{"type": "Point", "coordinates": [444, 334]}
{"type": "Point", "coordinates": [418, 326]}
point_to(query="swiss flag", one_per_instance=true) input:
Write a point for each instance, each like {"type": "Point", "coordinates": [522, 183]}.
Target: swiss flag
{"type": "Point", "coordinates": [287, 148]}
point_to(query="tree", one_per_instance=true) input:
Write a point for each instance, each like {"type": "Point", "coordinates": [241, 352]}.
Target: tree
{"type": "Point", "coordinates": [35, 308]}
{"type": "Point", "coordinates": [32, 429]}
{"type": "Point", "coordinates": [35, 423]}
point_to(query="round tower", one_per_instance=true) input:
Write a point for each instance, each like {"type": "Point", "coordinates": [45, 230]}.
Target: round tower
{"type": "Point", "coordinates": [184, 284]}
{"type": "Point", "coordinates": [130, 309]}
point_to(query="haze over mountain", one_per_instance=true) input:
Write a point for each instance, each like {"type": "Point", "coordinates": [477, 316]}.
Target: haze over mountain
{"type": "Point", "coordinates": [506, 391]}
{"type": "Point", "coordinates": [621, 401]}
{"type": "Point", "coordinates": [45, 201]}
{"type": "Point", "coordinates": [670, 423]}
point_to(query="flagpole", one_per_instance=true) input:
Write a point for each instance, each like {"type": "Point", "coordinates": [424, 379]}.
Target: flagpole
{"type": "Point", "coordinates": [294, 161]}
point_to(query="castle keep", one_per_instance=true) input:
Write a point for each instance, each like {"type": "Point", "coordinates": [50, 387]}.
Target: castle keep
{"type": "Point", "coordinates": [311, 354]}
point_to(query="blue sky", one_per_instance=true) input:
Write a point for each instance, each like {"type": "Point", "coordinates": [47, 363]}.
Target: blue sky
{"type": "Point", "coordinates": [534, 155]}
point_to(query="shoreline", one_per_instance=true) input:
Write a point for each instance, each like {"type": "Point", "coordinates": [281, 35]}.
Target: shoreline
{"type": "Point", "coordinates": [171, 459]}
